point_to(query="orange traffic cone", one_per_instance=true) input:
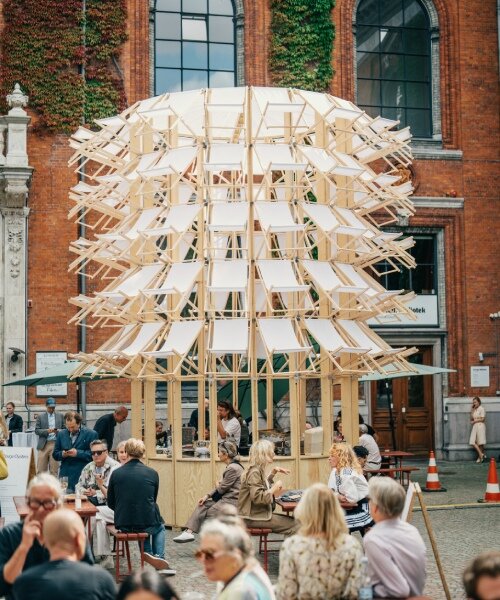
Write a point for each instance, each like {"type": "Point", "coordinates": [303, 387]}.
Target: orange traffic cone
{"type": "Point", "coordinates": [492, 490]}
{"type": "Point", "coordinates": [432, 484]}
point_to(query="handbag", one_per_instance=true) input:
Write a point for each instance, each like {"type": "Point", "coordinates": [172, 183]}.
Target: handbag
{"type": "Point", "coordinates": [4, 469]}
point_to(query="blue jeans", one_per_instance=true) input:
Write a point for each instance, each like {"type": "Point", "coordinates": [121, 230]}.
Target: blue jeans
{"type": "Point", "coordinates": [158, 536]}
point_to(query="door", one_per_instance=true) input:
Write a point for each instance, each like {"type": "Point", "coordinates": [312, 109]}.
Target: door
{"type": "Point", "coordinates": [411, 400]}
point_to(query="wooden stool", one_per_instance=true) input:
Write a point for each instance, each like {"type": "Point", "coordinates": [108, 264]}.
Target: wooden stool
{"type": "Point", "coordinates": [262, 533]}
{"type": "Point", "coordinates": [122, 540]}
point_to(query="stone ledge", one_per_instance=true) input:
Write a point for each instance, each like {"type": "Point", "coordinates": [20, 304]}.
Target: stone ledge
{"type": "Point", "coordinates": [437, 202]}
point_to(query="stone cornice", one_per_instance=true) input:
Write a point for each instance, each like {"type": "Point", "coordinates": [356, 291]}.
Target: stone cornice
{"type": "Point", "coordinates": [437, 202]}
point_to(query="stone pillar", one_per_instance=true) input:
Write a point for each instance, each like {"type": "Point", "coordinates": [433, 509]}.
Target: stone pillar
{"type": "Point", "coordinates": [15, 175]}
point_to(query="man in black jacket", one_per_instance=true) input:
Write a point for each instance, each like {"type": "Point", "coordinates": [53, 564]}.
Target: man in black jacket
{"type": "Point", "coordinates": [14, 422]}
{"type": "Point", "coordinates": [132, 494]}
{"type": "Point", "coordinates": [21, 543]}
{"type": "Point", "coordinates": [105, 425]}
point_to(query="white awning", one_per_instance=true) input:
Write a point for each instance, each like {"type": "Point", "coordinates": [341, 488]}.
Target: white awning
{"type": "Point", "coordinates": [179, 340]}
{"type": "Point", "coordinates": [276, 217]}
{"type": "Point", "coordinates": [228, 216]}
{"type": "Point", "coordinates": [230, 336]}
{"type": "Point", "coordinates": [279, 336]}
{"type": "Point", "coordinates": [279, 276]}
{"type": "Point", "coordinates": [327, 336]}
{"type": "Point", "coordinates": [229, 276]}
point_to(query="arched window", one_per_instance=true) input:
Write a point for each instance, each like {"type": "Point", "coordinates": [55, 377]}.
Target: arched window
{"type": "Point", "coordinates": [194, 44]}
{"type": "Point", "coordinates": [393, 53]}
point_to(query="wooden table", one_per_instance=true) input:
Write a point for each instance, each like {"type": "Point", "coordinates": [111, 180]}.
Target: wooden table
{"type": "Point", "coordinates": [395, 456]}
{"type": "Point", "coordinates": [289, 507]}
{"type": "Point", "coordinates": [87, 511]}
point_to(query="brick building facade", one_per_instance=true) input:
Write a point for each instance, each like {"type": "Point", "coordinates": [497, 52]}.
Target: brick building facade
{"type": "Point", "coordinates": [456, 178]}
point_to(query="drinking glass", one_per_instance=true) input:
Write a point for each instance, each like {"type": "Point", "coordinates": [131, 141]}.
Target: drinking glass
{"type": "Point", "coordinates": [64, 484]}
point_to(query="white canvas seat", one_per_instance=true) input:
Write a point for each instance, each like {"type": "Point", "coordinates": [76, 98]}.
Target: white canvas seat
{"type": "Point", "coordinates": [362, 336]}
{"type": "Point", "coordinates": [178, 220]}
{"type": "Point", "coordinates": [327, 221]}
{"type": "Point", "coordinates": [326, 280]}
{"type": "Point", "coordinates": [279, 336]}
{"type": "Point", "coordinates": [374, 292]}
{"type": "Point", "coordinates": [137, 340]}
{"type": "Point", "coordinates": [180, 338]}
{"type": "Point", "coordinates": [275, 217]}
{"type": "Point", "coordinates": [230, 336]}
{"type": "Point", "coordinates": [228, 276]}
{"type": "Point", "coordinates": [225, 157]}
{"type": "Point", "coordinates": [174, 162]}
{"type": "Point", "coordinates": [181, 279]}
{"type": "Point", "coordinates": [133, 282]}
{"type": "Point", "coordinates": [279, 276]}
{"type": "Point", "coordinates": [130, 228]}
{"type": "Point", "coordinates": [275, 157]}
{"type": "Point", "coordinates": [330, 340]}
{"type": "Point", "coordinates": [228, 216]}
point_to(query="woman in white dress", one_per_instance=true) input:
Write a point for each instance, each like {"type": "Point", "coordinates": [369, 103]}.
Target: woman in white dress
{"type": "Point", "coordinates": [347, 481]}
{"type": "Point", "coordinates": [478, 433]}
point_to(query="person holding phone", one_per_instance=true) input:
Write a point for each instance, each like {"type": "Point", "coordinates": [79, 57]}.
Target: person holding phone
{"type": "Point", "coordinates": [46, 428]}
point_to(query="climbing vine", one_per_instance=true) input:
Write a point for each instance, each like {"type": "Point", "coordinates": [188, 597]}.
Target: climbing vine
{"type": "Point", "coordinates": [302, 36]}
{"type": "Point", "coordinates": [65, 60]}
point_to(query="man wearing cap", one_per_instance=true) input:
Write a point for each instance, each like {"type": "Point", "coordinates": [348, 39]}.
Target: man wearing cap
{"type": "Point", "coordinates": [46, 428]}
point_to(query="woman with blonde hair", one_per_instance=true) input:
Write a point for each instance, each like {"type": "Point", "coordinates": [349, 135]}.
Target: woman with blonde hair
{"type": "Point", "coordinates": [258, 491]}
{"type": "Point", "coordinates": [4, 431]}
{"type": "Point", "coordinates": [478, 434]}
{"type": "Point", "coordinates": [322, 560]}
{"type": "Point", "coordinates": [348, 482]}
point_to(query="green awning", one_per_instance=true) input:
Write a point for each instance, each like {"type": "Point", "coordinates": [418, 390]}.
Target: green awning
{"type": "Point", "coordinates": [60, 374]}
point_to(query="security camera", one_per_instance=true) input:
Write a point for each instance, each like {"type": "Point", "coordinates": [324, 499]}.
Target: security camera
{"type": "Point", "coordinates": [481, 357]}
{"type": "Point", "coordinates": [15, 354]}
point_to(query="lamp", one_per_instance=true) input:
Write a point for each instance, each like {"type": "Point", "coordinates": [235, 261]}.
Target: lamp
{"type": "Point", "coordinates": [15, 354]}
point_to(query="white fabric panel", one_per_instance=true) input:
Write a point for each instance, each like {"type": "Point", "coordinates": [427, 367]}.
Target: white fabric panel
{"type": "Point", "coordinates": [324, 218]}
{"type": "Point", "coordinates": [277, 157]}
{"type": "Point", "coordinates": [279, 276]}
{"type": "Point", "coordinates": [179, 340]}
{"type": "Point", "coordinates": [179, 218]}
{"type": "Point", "coordinates": [380, 124]}
{"type": "Point", "coordinates": [146, 333]}
{"type": "Point", "coordinates": [229, 275]}
{"type": "Point", "coordinates": [173, 162]}
{"type": "Point", "coordinates": [228, 216]}
{"type": "Point", "coordinates": [145, 219]}
{"type": "Point", "coordinates": [319, 102]}
{"type": "Point", "coordinates": [318, 157]}
{"type": "Point", "coordinates": [117, 340]}
{"type": "Point", "coordinates": [352, 219]}
{"type": "Point", "coordinates": [227, 98]}
{"type": "Point", "coordinates": [130, 285]}
{"type": "Point", "coordinates": [279, 336]}
{"type": "Point", "coordinates": [179, 280]}
{"type": "Point", "coordinates": [324, 332]}
{"type": "Point", "coordinates": [357, 332]}
{"type": "Point", "coordinates": [225, 157]}
{"type": "Point", "coordinates": [230, 336]}
{"type": "Point", "coordinates": [276, 217]}
{"type": "Point", "coordinates": [347, 165]}
{"type": "Point", "coordinates": [325, 277]}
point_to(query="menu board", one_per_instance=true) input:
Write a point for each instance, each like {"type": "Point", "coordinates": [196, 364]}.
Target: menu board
{"type": "Point", "coordinates": [47, 360]}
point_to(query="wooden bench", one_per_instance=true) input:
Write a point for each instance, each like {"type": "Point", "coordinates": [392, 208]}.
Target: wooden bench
{"type": "Point", "coordinates": [402, 472]}
{"type": "Point", "coordinates": [122, 540]}
{"type": "Point", "coordinates": [263, 541]}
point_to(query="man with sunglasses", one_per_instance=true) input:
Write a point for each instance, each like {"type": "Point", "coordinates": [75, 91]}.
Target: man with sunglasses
{"type": "Point", "coordinates": [21, 543]}
{"type": "Point", "coordinates": [94, 478]}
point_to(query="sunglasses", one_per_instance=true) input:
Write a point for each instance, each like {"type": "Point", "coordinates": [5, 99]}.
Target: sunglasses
{"type": "Point", "coordinates": [208, 554]}
{"type": "Point", "coordinates": [97, 452]}
{"type": "Point", "coordinates": [47, 504]}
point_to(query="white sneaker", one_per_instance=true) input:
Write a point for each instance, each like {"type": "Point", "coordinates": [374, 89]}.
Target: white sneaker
{"type": "Point", "coordinates": [184, 537]}
{"type": "Point", "coordinates": [156, 562]}
{"type": "Point", "coordinates": [167, 572]}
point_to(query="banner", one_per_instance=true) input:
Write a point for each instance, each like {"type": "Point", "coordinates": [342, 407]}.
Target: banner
{"type": "Point", "coordinates": [21, 464]}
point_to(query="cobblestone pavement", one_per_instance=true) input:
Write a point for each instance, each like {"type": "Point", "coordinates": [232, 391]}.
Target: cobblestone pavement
{"type": "Point", "coordinates": [460, 532]}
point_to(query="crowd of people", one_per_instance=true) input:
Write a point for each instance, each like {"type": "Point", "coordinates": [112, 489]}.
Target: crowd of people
{"type": "Point", "coordinates": [48, 555]}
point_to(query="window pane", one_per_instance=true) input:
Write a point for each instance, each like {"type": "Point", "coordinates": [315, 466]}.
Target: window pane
{"type": "Point", "coordinates": [417, 95]}
{"type": "Point", "coordinates": [168, 5]}
{"type": "Point", "coordinates": [368, 13]}
{"type": "Point", "coordinates": [194, 55]}
{"type": "Point", "coordinates": [416, 41]}
{"type": "Point", "coordinates": [423, 279]}
{"type": "Point", "coordinates": [221, 29]}
{"type": "Point", "coordinates": [391, 40]}
{"type": "Point", "coordinates": [220, 7]}
{"type": "Point", "coordinates": [417, 68]}
{"type": "Point", "coordinates": [222, 56]}
{"type": "Point", "coordinates": [221, 79]}
{"type": "Point", "coordinates": [368, 92]}
{"type": "Point", "coordinates": [423, 251]}
{"type": "Point", "coordinates": [419, 122]}
{"type": "Point", "coordinates": [167, 80]}
{"type": "Point", "coordinates": [168, 54]}
{"type": "Point", "coordinates": [192, 80]}
{"type": "Point", "coordinates": [415, 15]}
{"type": "Point", "coordinates": [168, 26]}
{"type": "Point", "coordinates": [392, 66]}
{"type": "Point", "coordinates": [367, 39]}
{"type": "Point", "coordinates": [396, 114]}
{"type": "Point", "coordinates": [393, 93]}
{"type": "Point", "coordinates": [373, 111]}
{"type": "Point", "coordinates": [194, 6]}
{"type": "Point", "coordinates": [391, 13]}
{"type": "Point", "coordinates": [194, 29]}
{"type": "Point", "coordinates": [384, 394]}
{"type": "Point", "coordinates": [368, 65]}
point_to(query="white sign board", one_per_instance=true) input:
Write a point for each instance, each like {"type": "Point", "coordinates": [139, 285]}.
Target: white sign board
{"type": "Point", "coordinates": [47, 360]}
{"type": "Point", "coordinates": [425, 309]}
{"type": "Point", "coordinates": [480, 377]}
{"type": "Point", "coordinates": [19, 461]}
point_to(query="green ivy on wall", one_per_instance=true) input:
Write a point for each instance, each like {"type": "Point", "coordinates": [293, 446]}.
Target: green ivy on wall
{"type": "Point", "coordinates": [302, 35]}
{"type": "Point", "coordinates": [43, 48]}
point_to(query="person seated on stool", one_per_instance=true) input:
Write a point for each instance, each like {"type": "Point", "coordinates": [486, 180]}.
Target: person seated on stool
{"type": "Point", "coordinates": [394, 548]}
{"type": "Point", "coordinates": [361, 454]}
{"type": "Point", "coordinates": [226, 492]}
{"type": "Point", "coordinates": [258, 491]}
{"type": "Point", "coordinates": [365, 439]}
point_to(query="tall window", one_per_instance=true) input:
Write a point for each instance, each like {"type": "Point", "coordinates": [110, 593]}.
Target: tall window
{"type": "Point", "coordinates": [423, 278]}
{"type": "Point", "coordinates": [393, 46]}
{"type": "Point", "coordinates": [194, 44]}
